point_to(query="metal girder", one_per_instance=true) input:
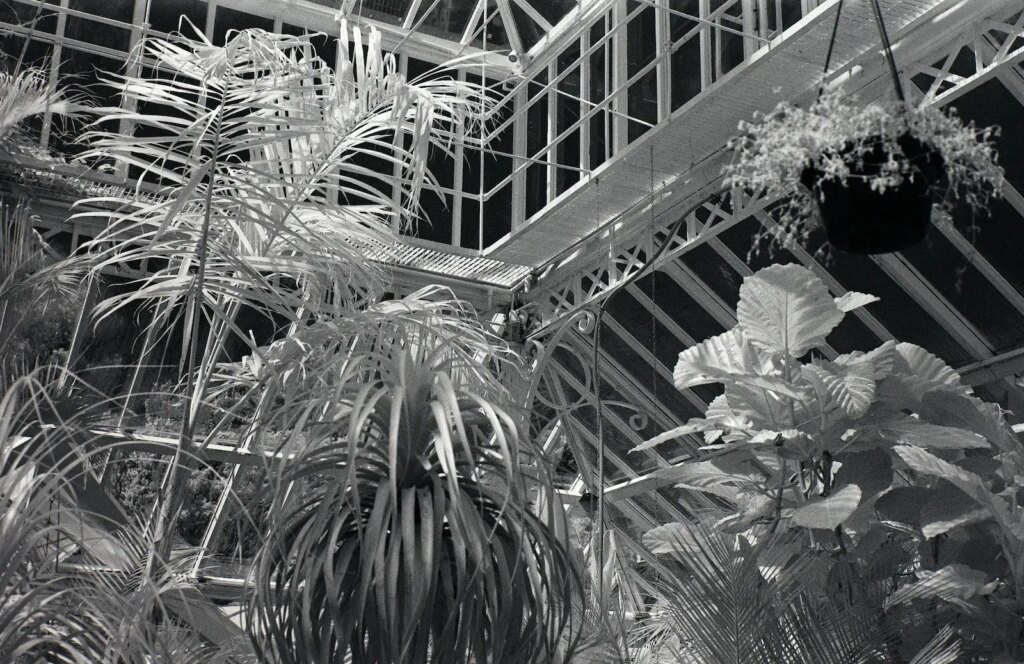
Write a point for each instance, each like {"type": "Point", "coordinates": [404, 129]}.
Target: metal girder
{"type": "Point", "coordinates": [998, 48]}
{"type": "Point", "coordinates": [607, 260]}
{"type": "Point", "coordinates": [994, 368]}
{"type": "Point", "coordinates": [580, 288]}
{"type": "Point", "coordinates": [993, 46]}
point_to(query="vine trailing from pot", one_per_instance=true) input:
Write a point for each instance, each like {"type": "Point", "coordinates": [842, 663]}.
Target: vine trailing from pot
{"type": "Point", "coordinates": [875, 176]}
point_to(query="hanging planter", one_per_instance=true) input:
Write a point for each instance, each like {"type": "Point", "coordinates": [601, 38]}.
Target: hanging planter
{"type": "Point", "coordinates": [863, 220]}
{"type": "Point", "coordinates": [875, 177]}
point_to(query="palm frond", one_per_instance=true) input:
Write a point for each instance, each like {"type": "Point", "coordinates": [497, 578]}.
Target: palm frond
{"type": "Point", "coordinates": [27, 94]}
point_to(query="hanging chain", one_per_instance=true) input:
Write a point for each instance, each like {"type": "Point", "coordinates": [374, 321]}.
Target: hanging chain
{"type": "Point", "coordinates": [831, 47]}
{"type": "Point", "coordinates": [890, 60]}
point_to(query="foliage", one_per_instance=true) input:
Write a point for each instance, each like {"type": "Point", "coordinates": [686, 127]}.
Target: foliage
{"type": "Point", "coordinates": [253, 149]}
{"type": "Point", "coordinates": [71, 589]}
{"type": "Point", "coordinates": [38, 293]}
{"type": "Point", "coordinates": [395, 428]}
{"type": "Point", "coordinates": [732, 599]}
{"type": "Point", "coordinates": [419, 537]}
{"type": "Point", "coordinates": [857, 451]}
{"type": "Point", "coordinates": [28, 94]}
{"type": "Point", "coordinates": [772, 152]}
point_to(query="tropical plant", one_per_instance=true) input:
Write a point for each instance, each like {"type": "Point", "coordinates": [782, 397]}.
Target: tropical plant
{"type": "Point", "coordinates": [33, 286]}
{"type": "Point", "coordinates": [253, 150]}
{"type": "Point", "coordinates": [74, 582]}
{"type": "Point", "coordinates": [855, 450]}
{"type": "Point", "coordinates": [734, 598]}
{"type": "Point", "coordinates": [27, 94]}
{"type": "Point", "coordinates": [254, 196]}
{"type": "Point", "coordinates": [833, 138]}
{"type": "Point", "coordinates": [417, 540]}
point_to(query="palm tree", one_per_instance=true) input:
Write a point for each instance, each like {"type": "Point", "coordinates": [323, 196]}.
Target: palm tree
{"type": "Point", "coordinates": [252, 196]}
{"type": "Point", "coordinates": [761, 597]}
{"type": "Point", "coordinates": [32, 284]}
{"type": "Point", "coordinates": [253, 152]}
{"type": "Point", "coordinates": [27, 94]}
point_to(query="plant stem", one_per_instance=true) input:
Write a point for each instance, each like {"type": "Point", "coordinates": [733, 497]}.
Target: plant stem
{"type": "Point", "coordinates": [172, 494]}
{"type": "Point", "coordinates": [778, 495]}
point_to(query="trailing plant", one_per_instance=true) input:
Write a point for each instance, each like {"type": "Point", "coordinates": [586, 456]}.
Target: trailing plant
{"type": "Point", "coordinates": [834, 138]}
{"type": "Point", "coordinates": [856, 451]}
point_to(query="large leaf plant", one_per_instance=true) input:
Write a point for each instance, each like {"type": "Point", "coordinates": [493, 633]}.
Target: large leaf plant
{"type": "Point", "coordinates": [859, 452]}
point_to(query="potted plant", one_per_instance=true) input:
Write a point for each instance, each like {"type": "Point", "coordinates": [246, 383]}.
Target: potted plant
{"type": "Point", "coordinates": [875, 176]}
{"type": "Point", "coordinates": [861, 457]}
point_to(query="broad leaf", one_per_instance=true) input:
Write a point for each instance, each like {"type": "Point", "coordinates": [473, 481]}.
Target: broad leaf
{"type": "Point", "coordinates": [916, 361]}
{"type": "Point", "coordinates": [882, 359]}
{"type": "Point", "coordinates": [970, 413]}
{"type": "Point", "coordinates": [952, 583]}
{"type": "Point", "coordinates": [924, 462]}
{"type": "Point", "coordinates": [723, 353]}
{"type": "Point", "coordinates": [913, 431]}
{"type": "Point", "coordinates": [929, 511]}
{"type": "Point", "coordinates": [949, 508]}
{"type": "Point", "coordinates": [721, 414]}
{"type": "Point", "coordinates": [787, 309]}
{"type": "Point", "coordinates": [853, 300]}
{"type": "Point", "coordinates": [851, 388]}
{"type": "Point", "coordinates": [715, 477]}
{"type": "Point", "coordinates": [871, 471]}
{"type": "Point", "coordinates": [828, 512]}
{"type": "Point", "coordinates": [762, 408]}
{"type": "Point", "coordinates": [903, 506]}
{"type": "Point", "coordinates": [725, 358]}
{"type": "Point", "coordinates": [750, 508]}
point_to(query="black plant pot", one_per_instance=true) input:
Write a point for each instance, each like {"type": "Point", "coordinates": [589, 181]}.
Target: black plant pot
{"type": "Point", "coordinates": [862, 221]}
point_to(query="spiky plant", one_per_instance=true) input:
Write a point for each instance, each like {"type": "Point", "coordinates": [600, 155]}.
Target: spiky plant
{"type": "Point", "coordinates": [391, 415]}
{"type": "Point", "coordinates": [402, 530]}
{"type": "Point", "coordinates": [730, 599]}
{"type": "Point", "coordinates": [26, 94]}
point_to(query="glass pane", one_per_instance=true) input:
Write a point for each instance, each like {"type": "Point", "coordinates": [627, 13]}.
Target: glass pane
{"type": "Point", "coordinates": [29, 17]}
{"type": "Point", "coordinates": [169, 15]}
{"type": "Point", "coordinates": [119, 10]}
{"type": "Point", "coordinates": [444, 17]}
{"type": "Point", "coordinates": [80, 72]}
{"type": "Point", "coordinates": [388, 10]}
{"type": "Point", "coordinates": [567, 111]}
{"type": "Point", "coordinates": [553, 10]}
{"type": "Point", "coordinates": [101, 34]}
{"type": "Point", "coordinates": [232, 19]}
